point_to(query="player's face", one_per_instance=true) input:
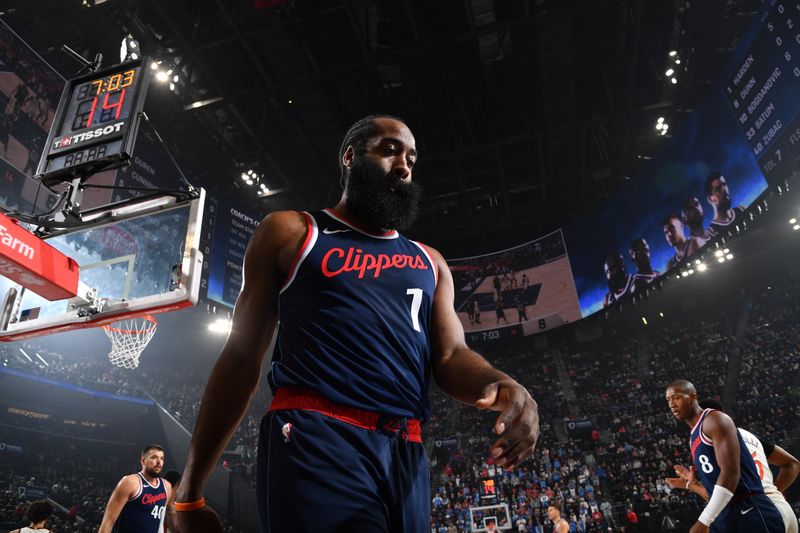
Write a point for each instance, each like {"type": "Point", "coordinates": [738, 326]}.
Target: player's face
{"type": "Point", "coordinates": [693, 212]}
{"type": "Point", "coordinates": [615, 270]}
{"type": "Point", "coordinates": [380, 192]}
{"type": "Point", "coordinates": [153, 462]}
{"type": "Point", "coordinates": [552, 513]}
{"type": "Point", "coordinates": [673, 231]}
{"type": "Point", "coordinates": [720, 194]}
{"type": "Point", "coordinates": [679, 402]}
{"type": "Point", "coordinates": [640, 253]}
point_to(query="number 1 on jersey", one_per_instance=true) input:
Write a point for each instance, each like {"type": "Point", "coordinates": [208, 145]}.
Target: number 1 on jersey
{"type": "Point", "coordinates": [416, 302]}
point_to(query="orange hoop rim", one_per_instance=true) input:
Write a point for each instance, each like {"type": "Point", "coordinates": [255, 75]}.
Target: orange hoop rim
{"type": "Point", "coordinates": [149, 318]}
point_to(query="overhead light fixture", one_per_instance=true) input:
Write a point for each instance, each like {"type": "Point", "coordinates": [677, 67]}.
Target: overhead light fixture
{"type": "Point", "coordinates": [792, 220]}
{"type": "Point", "coordinates": [677, 61]}
{"type": "Point", "coordinates": [721, 259]}
{"type": "Point", "coordinates": [726, 251]}
{"type": "Point", "coordinates": [673, 53]}
{"type": "Point", "coordinates": [644, 321]}
{"type": "Point", "coordinates": [661, 315]}
{"type": "Point", "coordinates": [702, 267]}
{"type": "Point", "coordinates": [697, 261]}
{"type": "Point", "coordinates": [669, 72]}
{"type": "Point", "coordinates": [175, 78]}
{"type": "Point", "coordinates": [153, 65]}
{"type": "Point", "coordinates": [162, 76]}
{"type": "Point", "coordinates": [202, 103]}
{"type": "Point", "coordinates": [796, 227]}
{"type": "Point", "coordinates": [674, 81]}
{"type": "Point", "coordinates": [129, 49]}
{"type": "Point", "coordinates": [684, 274]}
{"type": "Point", "coordinates": [659, 125]}
{"type": "Point", "coordinates": [719, 253]}
{"type": "Point", "coordinates": [171, 86]}
{"type": "Point", "coordinates": [729, 257]}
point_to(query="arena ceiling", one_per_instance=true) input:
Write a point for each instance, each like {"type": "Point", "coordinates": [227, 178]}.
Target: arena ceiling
{"type": "Point", "coordinates": [526, 112]}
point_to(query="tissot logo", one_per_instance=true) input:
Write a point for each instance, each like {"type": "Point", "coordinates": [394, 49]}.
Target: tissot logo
{"type": "Point", "coordinates": [87, 135]}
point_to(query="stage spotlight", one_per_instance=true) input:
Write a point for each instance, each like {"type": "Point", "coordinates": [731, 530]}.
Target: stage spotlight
{"type": "Point", "coordinates": [721, 259]}
{"type": "Point", "coordinates": [673, 53]}
{"type": "Point", "coordinates": [670, 72]}
{"type": "Point", "coordinates": [729, 257]}
{"type": "Point", "coordinates": [796, 227]}
{"type": "Point", "coordinates": [162, 76]}
{"type": "Point", "coordinates": [674, 81]}
{"type": "Point", "coordinates": [792, 221]}
{"type": "Point", "coordinates": [702, 267]}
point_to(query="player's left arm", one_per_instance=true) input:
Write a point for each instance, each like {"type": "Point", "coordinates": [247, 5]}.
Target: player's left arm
{"type": "Point", "coordinates": [721, 430]}
{"type": "Point", "coordinates": [469, 378]}
{"type": "Point", "coordinates": [789, 467]}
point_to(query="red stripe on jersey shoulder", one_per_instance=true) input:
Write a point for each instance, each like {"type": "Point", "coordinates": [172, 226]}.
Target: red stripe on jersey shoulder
{"type": "Point", "coordinates": [429, 254]}
{"type": "Point", "coordinates": [308, 243]}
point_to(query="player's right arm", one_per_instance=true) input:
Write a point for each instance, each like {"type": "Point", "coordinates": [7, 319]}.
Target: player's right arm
{"type": "Point", "coordinates": [127, 487]}
{"type": "Point", "coordinates": [721, 430]}
{"type": "Point", "coordinates": [789, 467]}
{"type": "Point", "coordinates": [234, 380]}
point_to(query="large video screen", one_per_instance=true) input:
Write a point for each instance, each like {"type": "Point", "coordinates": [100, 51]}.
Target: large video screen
{"type": "Point", "coordinates": [529, 286]}
{"type": "Point", "coordinates": [700, 185]}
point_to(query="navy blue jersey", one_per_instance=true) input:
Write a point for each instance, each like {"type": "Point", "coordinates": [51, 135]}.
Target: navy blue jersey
{"type": "Point", "coordinates": [354, 318]}
{"type": "Point", "coordinates": [705, 462]}
{"type": "Point", "coordinates": [144, 513]}
{"type": "Point", "coordinates": [716, 228]}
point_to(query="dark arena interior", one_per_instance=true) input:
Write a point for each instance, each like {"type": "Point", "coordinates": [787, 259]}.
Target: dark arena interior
{"type": "Point", "coordinates": [613, 185]}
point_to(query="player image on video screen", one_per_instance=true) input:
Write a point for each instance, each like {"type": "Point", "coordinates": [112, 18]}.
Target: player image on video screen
{"type": "Point", "coordinates": [640, 254]}
{"type": "Point", "coordinates": [692, 212]}
{"type": "Point", "coordinates": [675, 234]}
{"type": "Point", "coordinates": [719, 196]}
{"type": "Point", "coordinates": [619, 281]}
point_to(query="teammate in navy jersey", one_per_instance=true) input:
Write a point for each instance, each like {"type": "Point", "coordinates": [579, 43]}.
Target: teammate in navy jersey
{"type": "Point", "coordinates": [719, 197]}
{"type": "Point", "coordinates": [644, 276]}
{"type": "Point", "coordinates": [366, 318]}
{"type": "Point", "coordinates": [725, 468]}
{"type": "Point", "coordinates": [674, 233]}
{"type": "Point", "coordinates": [619, 281]}
{"type": "Point", "coordinates": [139, 501]}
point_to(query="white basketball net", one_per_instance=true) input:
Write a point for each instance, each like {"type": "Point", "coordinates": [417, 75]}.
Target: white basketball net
{"type": "Point", "coordinates": [128, 339]}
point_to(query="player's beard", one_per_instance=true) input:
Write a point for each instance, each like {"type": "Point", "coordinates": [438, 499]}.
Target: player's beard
{"type": "Point", "coordinates": [378, 200]}
{"type": "Point", "coordinates": [152, 472]}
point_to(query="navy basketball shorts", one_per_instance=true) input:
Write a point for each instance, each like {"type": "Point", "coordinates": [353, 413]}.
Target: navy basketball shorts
{"type": "Point", "coordinates": [329, 468]}
{"type": "Point", "coordinates": [754, 514]}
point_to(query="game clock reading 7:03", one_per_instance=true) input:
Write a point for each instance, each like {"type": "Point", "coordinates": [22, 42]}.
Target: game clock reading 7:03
{"type": "Point", "coordinates": [101, 100]}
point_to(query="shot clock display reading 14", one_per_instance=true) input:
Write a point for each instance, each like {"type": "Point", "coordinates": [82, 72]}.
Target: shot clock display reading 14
{"type": "Point", "coordinates": [95, 124]}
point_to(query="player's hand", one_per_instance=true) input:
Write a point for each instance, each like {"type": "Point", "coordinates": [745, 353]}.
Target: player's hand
{"type": "Point", "coordinates": [699, 527]}
{"type": "Point", "coordinates": [203, 520]}
{"type": "Point", "coordinates": [676, 482]}
{"type": "Point", "coordinates": [517, 425]}
{"type": "Point", "coordinates": [686, 474]}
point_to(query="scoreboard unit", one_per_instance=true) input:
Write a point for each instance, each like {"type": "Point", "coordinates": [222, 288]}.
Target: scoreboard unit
{"type": "Point", "coordinates": [95, 125]}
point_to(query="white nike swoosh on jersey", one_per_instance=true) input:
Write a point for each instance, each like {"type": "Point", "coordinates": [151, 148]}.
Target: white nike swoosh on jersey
{"type": "Point", "coordinates": [747, 511]}
{"type": "Point", "coordinates": [332, 231]}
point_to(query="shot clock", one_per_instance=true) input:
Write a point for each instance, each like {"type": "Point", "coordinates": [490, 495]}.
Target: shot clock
{"type": "Point", "coordinates": [95, 126]}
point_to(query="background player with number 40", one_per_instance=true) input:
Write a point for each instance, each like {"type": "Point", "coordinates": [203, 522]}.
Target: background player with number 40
{"type": "Point", "coordinates": [139, 501]}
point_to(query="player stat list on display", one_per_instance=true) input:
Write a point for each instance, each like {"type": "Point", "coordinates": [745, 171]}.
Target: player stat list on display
{"type": "Point", "coordinates": [764, 87]}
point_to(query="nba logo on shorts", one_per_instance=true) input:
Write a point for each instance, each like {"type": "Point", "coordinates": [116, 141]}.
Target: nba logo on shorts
{"type": "Point", "coordinates": [287, 431]}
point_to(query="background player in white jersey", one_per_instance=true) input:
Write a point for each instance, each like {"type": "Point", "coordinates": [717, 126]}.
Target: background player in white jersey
{"type": "Point", "coordinates": [37, 513]}
{"type": "Point", "coordinates": [764, 454]}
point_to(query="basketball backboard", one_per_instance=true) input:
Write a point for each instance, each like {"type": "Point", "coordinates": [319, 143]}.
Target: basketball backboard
{"type": "Point", "coordinates": [139, 259]}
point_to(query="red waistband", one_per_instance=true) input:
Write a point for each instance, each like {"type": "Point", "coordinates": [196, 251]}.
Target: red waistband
{"type": "Point", "coordinates": [309, 400]}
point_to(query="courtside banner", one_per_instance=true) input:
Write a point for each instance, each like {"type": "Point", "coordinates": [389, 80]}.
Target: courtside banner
{"type": "Point", "coordinates": [31, 262]}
